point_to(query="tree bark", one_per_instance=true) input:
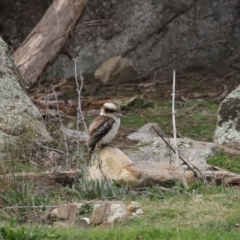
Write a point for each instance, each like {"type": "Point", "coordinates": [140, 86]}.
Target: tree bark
{"type": "Point", "coordinates": [45, 41]}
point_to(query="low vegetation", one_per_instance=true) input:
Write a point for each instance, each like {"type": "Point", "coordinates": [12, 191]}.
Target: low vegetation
{"type": "Point", "coordinates": [226, 161]}
{"type": "Point", "coordinates": [202, 212]}
{"type": "Point", "coordinates": [195, 119]}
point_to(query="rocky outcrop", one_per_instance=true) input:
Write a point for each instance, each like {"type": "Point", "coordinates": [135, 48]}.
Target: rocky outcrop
{"type": "Point", "coordinates": [154, 149]}
{"type": "Point", "coordinates": [20, 118]}
{"type": "Point", "coordinates": [227, 133]}
{"type": "Point", "coordinates": [155, 35]}
{"type": "Point", "coordinates": [113, 164]}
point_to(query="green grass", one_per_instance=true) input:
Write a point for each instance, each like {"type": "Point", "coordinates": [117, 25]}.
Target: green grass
{"type": "Point", "coordinates": [209, 212]}
{"type": "Point", "coordinates": [226, 161]}
{"type": "Point", "coordinates": [195, 119]}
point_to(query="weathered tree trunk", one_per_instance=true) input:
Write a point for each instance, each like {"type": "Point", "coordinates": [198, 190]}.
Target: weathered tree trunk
{"type": "Point", "coordinates": [45, 41]}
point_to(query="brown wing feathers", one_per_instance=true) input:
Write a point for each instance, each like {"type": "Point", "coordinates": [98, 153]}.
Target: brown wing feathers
{"type": "Point", "coordinates": [99, 129]}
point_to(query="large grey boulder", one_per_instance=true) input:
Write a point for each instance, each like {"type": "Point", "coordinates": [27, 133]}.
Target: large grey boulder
{"type": "Point", "coordinates": [227, 133]}
{"type": "Point", "coordinates": [18, 115]}
{"type": "Point", "coordinates": [158, 34]}
{"type": "Point", "coordinates": [153, 148]}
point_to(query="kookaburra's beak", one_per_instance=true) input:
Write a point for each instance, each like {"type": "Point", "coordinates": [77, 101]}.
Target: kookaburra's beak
{"type": "Point", "coordinates": [119, 115]}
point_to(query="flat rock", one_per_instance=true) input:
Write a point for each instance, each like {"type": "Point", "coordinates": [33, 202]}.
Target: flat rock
{"type": "Point", "coordinates": [149, 173]}
{"type": "Point", "coordinates": [146, 133]}
{"type": "Point", "coordinates": [67, 211]}
{"type": "Point", "coordinates": [154, 149]}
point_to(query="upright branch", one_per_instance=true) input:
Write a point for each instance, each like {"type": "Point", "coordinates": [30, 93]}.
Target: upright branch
{"type": "Point", "coordinates": [80, 117]}
{"type": "Point", "coordinates": [175, 130]}
{"type": "Point", "coordinates": [62, 127]}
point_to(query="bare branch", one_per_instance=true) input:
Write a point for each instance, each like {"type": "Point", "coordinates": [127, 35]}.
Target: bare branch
{"type": "Point", "coordinates": [61, 122]}
{"type": "Point", "coordinates": [80, 117]}
{"type": "Point", "coordinates": [167, 144]}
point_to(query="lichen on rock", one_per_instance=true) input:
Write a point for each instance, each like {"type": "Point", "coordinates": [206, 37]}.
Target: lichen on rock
{"type": "Point", "coordinates": [18, 114]}
{"type": "Point", "coordinates": [227, 133]}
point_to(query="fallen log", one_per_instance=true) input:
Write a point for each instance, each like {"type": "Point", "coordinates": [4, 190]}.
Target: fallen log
{"type": "Point", "coordinates": [49, 178]}
{"type": "Point", "coordinates": [48, 37]}
{"type": "Point", "coordinates": [216, 176]}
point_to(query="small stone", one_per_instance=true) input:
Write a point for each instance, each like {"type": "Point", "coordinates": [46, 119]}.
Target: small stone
{"type": "Point", "coordinates": [83, 223]}
{"type": "Point", "coordinates": [53, 156]}
{"type": "Point", "coordinates": [107, 225]}
{"type": "Point", "coordinates": [67, 211]}
{"type": "Point", "coordinates": [132, 207]}
{"type": "Point", "coordinates": [54, 212]}
{"type": "Point", "coordinates": [139, 211]}
{"type": "Point", "coordinates": [115, 69]}
{"type": "Point", "coordinates": [73, 211]}
{"type": "Point", "coordinates": [98, 215]}
{"type": "Point", "coordinates": [70, 125]}
{"type": "Point", "coordinates": [61, 225]}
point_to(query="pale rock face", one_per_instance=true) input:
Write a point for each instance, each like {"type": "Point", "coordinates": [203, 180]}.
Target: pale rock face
{"type": "Point", "coordinates": [19, 116]}
{"type": "Point", "coordinates": [149, 173]}
{"type": "Point", "coordinates": [111, 160]}
{"type": "Point", "coordinates": [155, 149]}
{"type": "Point", "coordinates": [227, 133]}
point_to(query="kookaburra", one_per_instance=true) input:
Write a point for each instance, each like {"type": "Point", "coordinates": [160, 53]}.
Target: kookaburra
{"type": "Point", "coordinates": [105, 126]}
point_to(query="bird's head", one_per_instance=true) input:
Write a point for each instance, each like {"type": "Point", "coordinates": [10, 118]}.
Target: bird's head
{"type": "Point", "coordinates": [110, 109]}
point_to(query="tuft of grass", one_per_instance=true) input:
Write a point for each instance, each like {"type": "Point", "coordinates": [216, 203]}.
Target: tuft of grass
{"type": "Point", "coordinates": [205, 212]}
{"type": "Point", "coordinates": [20, 201]}
{"type": "Point", "coordinates": [97, 189]}
{"type": "Point", "coordinates": [19, 154]}
{"type": "Point", "coordinates": [226, 161]}
{"type": "Point", "coordinates": [22, 194]}
{"type": "Point", "coordinates": [11, 232]}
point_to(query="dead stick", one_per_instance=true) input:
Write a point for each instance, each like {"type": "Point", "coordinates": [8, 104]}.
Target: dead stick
{"type": "Point", "coordinates": [195, 174]}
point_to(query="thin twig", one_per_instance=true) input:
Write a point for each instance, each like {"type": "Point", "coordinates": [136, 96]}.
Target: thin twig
{"type": "Point", "coordinates": [167, 144]}
{"type": "Point", "coordinates": [49, 148]}
{"type": "Point", "coordinates": [175, 132]}
{"type": "Point", "coordinates": [80, 117]}
{"type": "Point", "coordinates": [174, 120]}
{"type": "Point", "coordinates": [61, 122]}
